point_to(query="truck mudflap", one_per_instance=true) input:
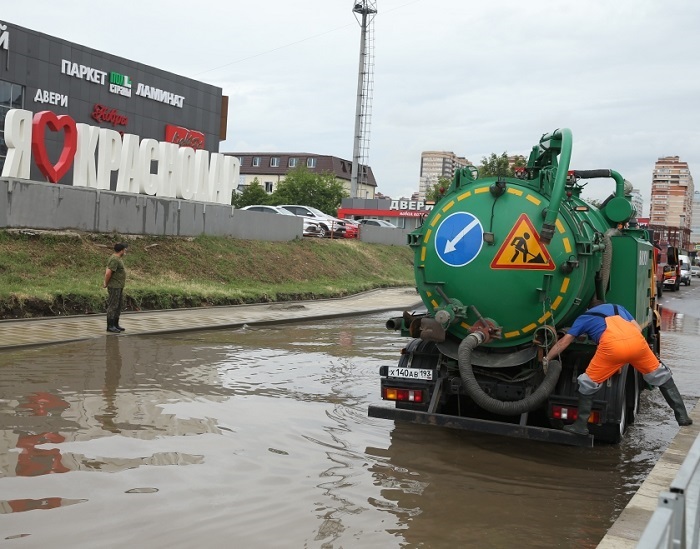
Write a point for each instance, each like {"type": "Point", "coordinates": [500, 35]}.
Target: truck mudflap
{"type": "Point", "coordinates": [541, 434]}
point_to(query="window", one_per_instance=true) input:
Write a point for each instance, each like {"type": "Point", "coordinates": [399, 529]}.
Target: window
{"type": "Point", "coordinates": [269, 187]}
{"type": "Point", "coordinates": [11, 97]}
{"type": "Point", "coordinates": [293, 162]}
{"type": "Point", "coordinates": [256, 161]}
{"type": "Point", "coordinates": [310, 162]}
{"type": "Point", "coordinates": [274, 162]}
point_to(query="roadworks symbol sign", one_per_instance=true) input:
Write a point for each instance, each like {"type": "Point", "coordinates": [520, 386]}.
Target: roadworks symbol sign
{"type": "Point", "coordinates": [522, 249]}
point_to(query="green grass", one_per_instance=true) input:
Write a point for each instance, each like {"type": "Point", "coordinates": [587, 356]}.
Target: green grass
{"type": "Point", "coordinates": [51, 273]}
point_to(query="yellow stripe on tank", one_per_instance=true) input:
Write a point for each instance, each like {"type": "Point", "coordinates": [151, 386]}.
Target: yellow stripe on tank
{"type": "Point", "coordinates": [435, 304]}
{"type": "Point", "coordinates": [435, 220]}
{"type": "Point", "coordinates": [557, 302]}
{"type": "Point", "coordinates": [448, 205]}
{"type": "Point", "coordinates": [567, 245]}
{"type": "Point", "coordinates": [516, 333]}
{"type": "Point", "coordinates": [463, 196]}
{"type": "Point", "coordinates": [426, 237]}
{"type": "Point", "coordinates": [536, 201]}
{"type": "Point", "coordinates": [560, 226]}
{"type": "Point", "coordinates": [481, 190]}
{"type": "Point", "coordinates": [516, 192]}
{"type": "Point", "coordinates": [465, 325]}
{"type": "Point", "coordinates": [529, 327]}
{"type": "Point", "coordinates": [544, 317]}
{"type": "Point", "coordinates": [564, 285]}
{"type": "Point", "coordinates": [423, 251]}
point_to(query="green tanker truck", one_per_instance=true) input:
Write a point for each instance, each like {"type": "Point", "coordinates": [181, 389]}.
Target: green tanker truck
{"type": "Point", "coordinates": [513, 261]}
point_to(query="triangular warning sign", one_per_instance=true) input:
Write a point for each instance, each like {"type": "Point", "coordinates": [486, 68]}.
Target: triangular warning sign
{"type": "Point", "coordinates": [522, 249]}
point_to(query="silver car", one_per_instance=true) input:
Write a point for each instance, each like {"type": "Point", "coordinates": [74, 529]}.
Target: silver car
{"type": "Point", "coordinates": [378, 223]}
{"type": "Point", "coordinates": [329, 225]}
{"type": "Point", "coordinates": [311, 228]}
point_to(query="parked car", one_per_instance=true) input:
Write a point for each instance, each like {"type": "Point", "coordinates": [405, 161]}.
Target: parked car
{"type": "Point", "coordinates": [685, 269]}
{"type": "Point", "coordinates": [377, 223]}
{"type": "Point", "coordinates": [352, 228]}
{"type": "Point", "coordinates": [311, 228]}
{"type": "Point", "coordinates": [695, 270]}
{"type": "Point", "coordinates": [329, 225]}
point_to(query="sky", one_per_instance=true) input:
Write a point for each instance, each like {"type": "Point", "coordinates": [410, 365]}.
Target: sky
{"type": "Point", "coordinates": [473, 78]}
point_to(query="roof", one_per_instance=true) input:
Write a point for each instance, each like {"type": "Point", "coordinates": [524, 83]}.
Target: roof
{"type": "Point", "coordinates": [339, 167]}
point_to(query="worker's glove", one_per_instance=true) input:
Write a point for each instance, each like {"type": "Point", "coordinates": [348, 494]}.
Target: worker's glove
{"type": "Point", "coordinates": [545, 364]}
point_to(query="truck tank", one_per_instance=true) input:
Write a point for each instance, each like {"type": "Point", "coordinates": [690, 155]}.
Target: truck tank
{"type": "Point", "coordinates": [512, 261]}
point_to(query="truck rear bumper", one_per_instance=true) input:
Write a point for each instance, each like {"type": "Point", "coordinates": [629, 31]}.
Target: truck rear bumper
{"type": "Point", "coordinates": [481, 426]}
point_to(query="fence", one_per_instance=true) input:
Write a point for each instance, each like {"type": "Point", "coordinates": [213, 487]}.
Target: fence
{"type": "Point", "coordinates": [38, 205]}
{"type": "Point", "coordinates": [676, 522]}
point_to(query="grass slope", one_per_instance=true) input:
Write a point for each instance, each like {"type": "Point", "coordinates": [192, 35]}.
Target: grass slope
{"type": "Point", "coordinates": [54, 273]}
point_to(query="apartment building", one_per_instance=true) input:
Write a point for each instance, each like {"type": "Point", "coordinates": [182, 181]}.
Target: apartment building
{"type": "Point", "coordinates": [672, 192]}
{"type": "Point", "coordinates": [436, 164]}
{"type": "Point", "coordinates": [271, 168]}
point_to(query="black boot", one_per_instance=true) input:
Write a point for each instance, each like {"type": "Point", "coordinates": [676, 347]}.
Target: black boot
{"type": "Point", "coordinates": [580, 426]}
{"type": "Point", "coordinates": [111, 327]}
{"type": "Point", "coordinates": [117, 326]}
{"type": "Point", "coordinates": [675, 401]}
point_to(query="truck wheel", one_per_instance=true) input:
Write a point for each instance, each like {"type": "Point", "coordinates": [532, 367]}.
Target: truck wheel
{"type": "Point", "coordinates": [613, 432]}
{"type": "Point", "coordinates": [659, 290]}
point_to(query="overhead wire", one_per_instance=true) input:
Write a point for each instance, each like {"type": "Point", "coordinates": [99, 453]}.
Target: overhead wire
{"type": "Point", "coordinates": [295, 42]}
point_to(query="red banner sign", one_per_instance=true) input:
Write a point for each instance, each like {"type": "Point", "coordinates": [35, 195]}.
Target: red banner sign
{"type": "Point", "coordinates": [184, 137]}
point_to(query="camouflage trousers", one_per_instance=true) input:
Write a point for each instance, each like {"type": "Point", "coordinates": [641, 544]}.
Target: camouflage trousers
{"type": "Point", "coordinates": [114, 302]}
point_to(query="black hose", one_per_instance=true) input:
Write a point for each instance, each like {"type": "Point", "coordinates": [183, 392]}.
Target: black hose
{"type": "Point", "coordinates": [505, 408]}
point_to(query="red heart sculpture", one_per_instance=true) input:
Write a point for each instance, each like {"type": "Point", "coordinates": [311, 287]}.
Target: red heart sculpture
{"type": "Point", "coordinates": [40, 122]}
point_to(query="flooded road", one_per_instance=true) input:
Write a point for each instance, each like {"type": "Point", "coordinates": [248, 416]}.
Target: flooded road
{"type": "Point", "coordinates": [259, 437]}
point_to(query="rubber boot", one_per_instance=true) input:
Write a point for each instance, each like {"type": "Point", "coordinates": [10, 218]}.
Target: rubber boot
{"type": "Point", "coordinates": [117, 326]}
{"type": "Point", "coordinates": [580, 426]}
{"type": "Point", "coordinates": [675, 401]}
{"type": "Point", "coordinates": [111, 326]}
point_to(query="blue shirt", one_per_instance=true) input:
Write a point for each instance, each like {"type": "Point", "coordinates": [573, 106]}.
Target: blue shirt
{"type": "Point", "coordinates": [593, 325]}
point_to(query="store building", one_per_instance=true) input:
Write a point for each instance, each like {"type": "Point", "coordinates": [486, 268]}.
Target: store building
{"type": "Point", "coordinates": [405, 214]}
{"type": "Point", "coordinates": [44, 73]}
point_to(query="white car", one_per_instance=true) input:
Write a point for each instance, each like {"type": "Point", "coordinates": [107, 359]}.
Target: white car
{"type": "Point", "coordinates": [328, 224]}
{"type": "Point", "coordinates": [378, 223]}
{"type": "Point", "coordinates": [310, 227]}
{"type": "Point", "coordinates": [695, 270]}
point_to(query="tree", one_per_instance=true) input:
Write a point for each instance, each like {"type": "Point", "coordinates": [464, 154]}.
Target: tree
{"type": "Point", "coordinates": [494, 165]}
{"type": "Point", "coordinates": [252, 194]}
{"type": "Point", "coordinates": [438, 190]}
{"type": "Point", "coordinates": [300, 186]}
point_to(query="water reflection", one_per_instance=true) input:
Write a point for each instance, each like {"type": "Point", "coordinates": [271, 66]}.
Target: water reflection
{"type": "Point", "coordinates": [267, 443]}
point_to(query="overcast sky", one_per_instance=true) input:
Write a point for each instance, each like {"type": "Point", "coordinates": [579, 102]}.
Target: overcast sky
{"type": "Point", "coordinates": [468, 77]}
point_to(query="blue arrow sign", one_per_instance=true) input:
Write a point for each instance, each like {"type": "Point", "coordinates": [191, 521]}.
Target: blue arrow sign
{"type": "Point", "coordinates": [458, 239]}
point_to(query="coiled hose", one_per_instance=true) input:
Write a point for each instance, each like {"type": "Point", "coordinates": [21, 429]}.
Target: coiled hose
{"type": "Point", "coordinates": [505, 408]}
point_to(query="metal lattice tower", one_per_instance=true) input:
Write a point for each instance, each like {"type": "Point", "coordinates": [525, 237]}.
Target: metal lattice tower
{"type": "Point", "coordinates": [365, 11]}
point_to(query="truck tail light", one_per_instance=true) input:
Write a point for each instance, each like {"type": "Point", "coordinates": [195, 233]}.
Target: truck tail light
{"type": "Point", "coordinates": [402, 395]}
{"type": "Point", "coordinates": [571, 414]}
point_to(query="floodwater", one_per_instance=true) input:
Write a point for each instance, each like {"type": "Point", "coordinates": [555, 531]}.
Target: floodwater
{"type": "Point", "coordinates": [259, 437]}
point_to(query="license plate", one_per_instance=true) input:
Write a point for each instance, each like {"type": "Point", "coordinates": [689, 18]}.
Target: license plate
{"type": "Point", "coordinates": [411, 373]}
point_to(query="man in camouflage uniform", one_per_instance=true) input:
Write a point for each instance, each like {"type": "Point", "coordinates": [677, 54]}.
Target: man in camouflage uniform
{"type": "Point", "coordinates": [115, 279]}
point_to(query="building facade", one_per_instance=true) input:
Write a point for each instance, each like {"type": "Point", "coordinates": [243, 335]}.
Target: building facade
{"type": "Point", "coordinates": [44, 73]}
{"type": "Point", "coordinates": [437, 164]}
{"type": "Point", "coordinates": [695, 223]}
{"type": "Point", "coordinates": [637, 202]}
{"type": "Point", "coordinates": [271, 168]}
{"type": "Point", "coordinates": [672, 192]}
{"type": "Point", "coordinates": [404, 213]}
